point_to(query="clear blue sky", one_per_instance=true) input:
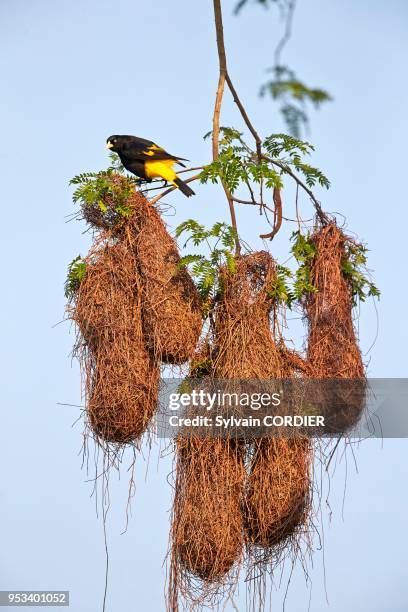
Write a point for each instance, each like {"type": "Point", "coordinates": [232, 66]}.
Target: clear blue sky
{"type": "Point", "coordinates": [72, 74]}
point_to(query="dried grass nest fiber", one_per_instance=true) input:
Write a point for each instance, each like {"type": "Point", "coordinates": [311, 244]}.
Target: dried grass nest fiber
{"type": "Point", "coordinates": [207, 526]}
{"type": "Point", "coordinates": [207, 535]}
{"type": "Point", "coordinates": [121, 376]}
{"type": "Point", "coordinates": [244, 348]}
{"type": "Point", "coordinates": [218, 503]}
{"type": "Point", "coordinates": [172, 312]}
{"type": "Point", "coordinates": [277, 494]}
{"type": "Point", "coordinates": [332, 350]}
{"type": "Point", "coordinates": [134, 309]}
{"type": "Point", "coordinates": [277, 488]}
{"type": "Point", "coordinates": [171, 305]}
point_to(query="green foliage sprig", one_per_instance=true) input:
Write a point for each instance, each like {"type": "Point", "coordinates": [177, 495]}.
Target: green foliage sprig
{"type": "Point", "coordinates": [239, 165]}
{"type": "Point", "coordinates": [294, 95]}
{"type": "Point", "coordinates": [355, 271]}
{"type": "Point", "coordinates": [304, 252]}
{"type": "Point", "coordinates": [75, 276]}
{"type": "Point", "coordinates": [281, 290]}
{"type": "Point", "coordinates": [219, 241]}
{"type": "Point", "coordinates": [291, 152]}
{"type": "Point", "coordinates": [107, 191]}
{"type": "Point", "coordinates": [293, 287]}
{"type": "Point", "coordinates": [284, 86]}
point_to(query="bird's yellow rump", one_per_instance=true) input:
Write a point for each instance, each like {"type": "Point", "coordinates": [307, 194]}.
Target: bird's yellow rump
{"type": "Point", "coordinates": [162, 169]}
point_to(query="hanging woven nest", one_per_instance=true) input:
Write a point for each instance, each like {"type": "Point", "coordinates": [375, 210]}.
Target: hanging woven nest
{"type": "Point", "coordinates": [171, 306]}
{"type": "Point", "coordinates": [121, 376]}
{"type": "Point", "coordinates": [333, 353]}
{"type": "Point", "coordinates": [207, 527]}
{"type": "Point", "coordinates": [276, 502]}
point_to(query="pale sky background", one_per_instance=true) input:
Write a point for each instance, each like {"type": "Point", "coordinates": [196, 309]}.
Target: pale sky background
{"type": "Point", "coordinates": [72, 74]}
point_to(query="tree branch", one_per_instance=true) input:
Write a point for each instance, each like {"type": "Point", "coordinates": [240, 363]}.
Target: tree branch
{"type": "Point", "coordinates": [261, 205]}
{"type": "Point", "coordinates": [216, 116]}
{"type": "Point", "coordinates": [224, 78]}
{"type": "Point", "coordinates": [161, 180]}
{"type": "Point", "coordinates": [217, 110]}
{"type": "Point", "coordinates": [287, 33]}
{"type": "Point", "coordinates": [170, 189]}
{"type": "Point", "coordinates": [244, 115]}
{"type": "Point", "coordinates": [222, 59]}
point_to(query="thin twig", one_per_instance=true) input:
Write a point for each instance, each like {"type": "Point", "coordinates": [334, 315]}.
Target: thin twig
{"type": "Point", "coordinates": [297, 206]}
{"type": "Point", "coordinates": [320, 213]}
{"type": "Point", "coordinates": [244, 115]}
{"type": "Point", "coordinates": [161, 180]}
{"type": "Point", "coordinates": [288, 31]}
{"type": "Point", "coordinates": [251, 203]}
{"type": "Point", "coordinates": [224, 77]}
{"type": "Point", "coordinates": [248, 184]}
{"type": "Point", "coordinates": [170, 189]}
{"type": "Point", "coordinates": [190, 169]}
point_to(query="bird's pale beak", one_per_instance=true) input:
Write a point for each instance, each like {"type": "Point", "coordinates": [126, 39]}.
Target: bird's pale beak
{"type": "Point", "coordinates": [109, 145]}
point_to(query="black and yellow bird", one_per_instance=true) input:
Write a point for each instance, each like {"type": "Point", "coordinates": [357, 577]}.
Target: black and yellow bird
{"type": "Point", "coordinates": [147, 160]}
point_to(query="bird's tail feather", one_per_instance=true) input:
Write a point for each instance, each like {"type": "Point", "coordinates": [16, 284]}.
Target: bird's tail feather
{"type": "Point", "coordinates": [184, 188]}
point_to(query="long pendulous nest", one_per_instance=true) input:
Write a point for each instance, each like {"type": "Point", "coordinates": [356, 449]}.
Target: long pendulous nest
{"type": "Point", "coordinates": [172, 311]}
{"type": "Point", "coordinates": [278, 493]}
{"type": "Point", "coordinates": [332, 349]}
{"type": "Point", "coordinates": [134, 308]}
{"type": "Point", "coordinates": [206, 532]}
{"type": "Point", "coordinates": [242, 336]}
{"type": "Point", "coordinates": [268, 502]}
{"type": "Point", "coordinates": [121, 376]}
{"type": "Point", "coordinates": [171, 307]}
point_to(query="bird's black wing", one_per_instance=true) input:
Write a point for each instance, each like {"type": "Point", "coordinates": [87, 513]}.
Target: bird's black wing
{"type": "Point", "coordinates": [146, 150]}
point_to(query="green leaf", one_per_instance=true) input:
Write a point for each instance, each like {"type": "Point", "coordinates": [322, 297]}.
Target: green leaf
{"type": "Point", "coordinates": [189, 259]}
{"type": "Point", "coordinates": [355, 272]}
{"type": "Point", "coordinates": [76, 274]}
{"type": "Point", "coordinates": [280, 290]}
{"type": "Point", "coordinates": [276, 144]}
{"type": "Point", "coordinates": [107, 191]}
{"type": "Point", "coordinates": [295, 95]}
{"type": "Point", "coordinates": [205, 270]}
